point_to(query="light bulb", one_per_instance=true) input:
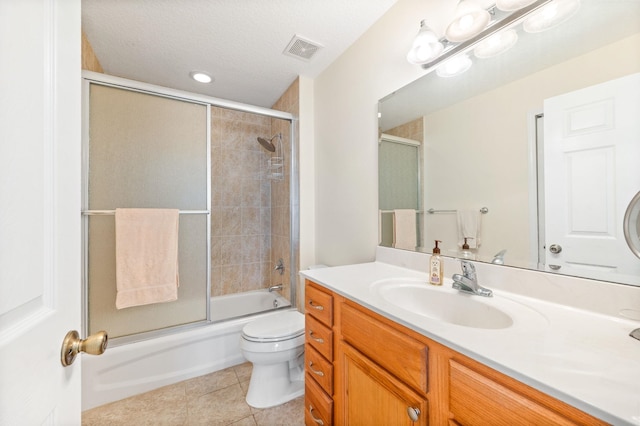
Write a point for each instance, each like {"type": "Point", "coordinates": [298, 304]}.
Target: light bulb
{"type": "Point", "coordinates": [425, 47]}
{"type": "Point", "coordinates": [469, 20]}
{"type": "Point", "coordinates": [454, 66]}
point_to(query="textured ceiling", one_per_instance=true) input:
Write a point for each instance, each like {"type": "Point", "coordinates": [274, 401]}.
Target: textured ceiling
{"type": "Point", "coordinates": [238, 42]}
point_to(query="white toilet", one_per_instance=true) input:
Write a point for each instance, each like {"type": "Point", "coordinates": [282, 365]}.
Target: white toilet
{"type": "Point", "coordinates": [275, 346]}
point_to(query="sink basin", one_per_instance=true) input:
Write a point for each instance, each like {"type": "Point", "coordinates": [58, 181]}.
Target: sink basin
{"type": "Point", "coordinates": [442, 303]}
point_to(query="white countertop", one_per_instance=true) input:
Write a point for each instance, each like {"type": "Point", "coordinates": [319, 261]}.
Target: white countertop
{"type": "Point", "coordinates": [584, 358]}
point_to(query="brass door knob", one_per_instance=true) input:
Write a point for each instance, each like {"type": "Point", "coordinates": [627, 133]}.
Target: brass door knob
{"type": "Point", "coordinates": [72, 345]}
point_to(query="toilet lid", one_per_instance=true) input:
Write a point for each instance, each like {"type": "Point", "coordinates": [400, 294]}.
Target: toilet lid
{"type": "Point", "coordinates": [282, 326]}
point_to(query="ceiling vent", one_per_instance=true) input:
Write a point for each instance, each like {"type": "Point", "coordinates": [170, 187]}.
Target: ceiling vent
{"type": "Point", "coordinates": [301, 48]}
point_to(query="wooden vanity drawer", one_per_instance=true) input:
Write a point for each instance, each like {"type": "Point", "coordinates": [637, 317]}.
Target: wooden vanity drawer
{"type": "Point", "coordinates": [319, 304]}
{"type": "Point", "coordinates": [318, 406]}
{"type": "Point", "coordinates": [502, 404]}
{"type": "Point", "coordinates": [401, 355]}
{"type": "Point", "coordinates": [319, 368]}
{"type": "Point", "coordinates": [319, 336]}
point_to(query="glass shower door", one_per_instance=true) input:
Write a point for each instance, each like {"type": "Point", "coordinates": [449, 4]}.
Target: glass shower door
{"type": "Point", "coordinates": [145, 151]}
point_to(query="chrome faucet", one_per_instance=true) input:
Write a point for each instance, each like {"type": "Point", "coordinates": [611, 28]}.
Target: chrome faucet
{"type": "Point", "coordinates": [279, 267]}
{"type": "Point", "coordinates": [468, 281]}
{"type": "Point", "coordinates": [498, 258]}
{"type": "Point", "coordinates": [275, 287]}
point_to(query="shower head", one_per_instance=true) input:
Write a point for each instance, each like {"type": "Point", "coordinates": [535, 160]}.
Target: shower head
{"type": "Point", "coordinates": [268, 143]}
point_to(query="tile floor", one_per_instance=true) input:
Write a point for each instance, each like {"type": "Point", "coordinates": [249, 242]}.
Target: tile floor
{"type": "Point", "coordinates": [214, 399]}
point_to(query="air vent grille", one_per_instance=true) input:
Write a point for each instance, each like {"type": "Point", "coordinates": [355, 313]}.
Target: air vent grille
{"type": "Point", "coordinates": [301, 48]}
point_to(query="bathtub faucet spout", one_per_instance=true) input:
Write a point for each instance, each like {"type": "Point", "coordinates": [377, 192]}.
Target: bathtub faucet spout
{"type": "Point", "coordinates": [275, 287]}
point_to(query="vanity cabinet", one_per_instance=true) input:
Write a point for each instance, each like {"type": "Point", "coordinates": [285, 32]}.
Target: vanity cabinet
{"type": "Point", "coordinates": [386, 374]}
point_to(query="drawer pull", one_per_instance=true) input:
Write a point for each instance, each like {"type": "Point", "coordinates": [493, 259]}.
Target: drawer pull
{"type": "Point", "coordinates": [315, 419]}
{"type": "Point", "coordinates": [314, 371]}
{"type": "Point", "coordinates": [317, 339]}
{"type": "Point", "coordinates": [316, 307]}
{"type": "Point", "coordinates": [413, 413]}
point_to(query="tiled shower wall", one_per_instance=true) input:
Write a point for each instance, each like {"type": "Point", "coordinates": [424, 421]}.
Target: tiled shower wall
{"type": "Point", "coordinates": [240, 203]}
{"type": "Point", "coordinates": [410, 130]}
{"type": "Point", "coordinates": [250, 213]}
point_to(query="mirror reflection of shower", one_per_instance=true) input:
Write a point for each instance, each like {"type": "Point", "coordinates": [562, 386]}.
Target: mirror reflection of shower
{"type": "Point", "coordinates": [275, 163]}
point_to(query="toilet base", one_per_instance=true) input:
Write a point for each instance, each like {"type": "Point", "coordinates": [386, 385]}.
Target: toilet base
{"type": "Point", "coordinates": [274, 384]}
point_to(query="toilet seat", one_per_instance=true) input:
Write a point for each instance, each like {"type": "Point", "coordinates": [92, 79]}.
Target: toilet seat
{"type": "Point", "coordinates": [276, 328]}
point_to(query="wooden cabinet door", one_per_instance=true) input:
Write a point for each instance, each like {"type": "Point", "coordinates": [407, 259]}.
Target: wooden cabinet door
{"type": "Point", "coordinates": [374, 397]}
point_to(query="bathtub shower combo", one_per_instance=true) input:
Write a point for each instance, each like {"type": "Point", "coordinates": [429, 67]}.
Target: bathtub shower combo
{"type": "Point", "coordinates": [218, 164]}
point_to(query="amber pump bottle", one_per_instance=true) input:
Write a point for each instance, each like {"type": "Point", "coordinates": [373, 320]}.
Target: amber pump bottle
{"type": "Point", "coordinates": [436, 270]}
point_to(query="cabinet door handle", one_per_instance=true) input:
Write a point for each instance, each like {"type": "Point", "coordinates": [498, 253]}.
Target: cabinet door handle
{"type": "Point", "coordinates": [317, 339]}
{"type": "Point", "coordinates": [314, 371]}
{"type": "Point", "coordinates": [315, 419]}
{"type": "Point", "coordinates": [316, 307]}
{"type": "Point", "coordinates": [413, 413]}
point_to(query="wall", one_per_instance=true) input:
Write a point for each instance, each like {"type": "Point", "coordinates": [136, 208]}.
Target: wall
{"type": "Point", "coordinates": [346, 148]}
{"type": "Point", "coordinates": [306, 154]}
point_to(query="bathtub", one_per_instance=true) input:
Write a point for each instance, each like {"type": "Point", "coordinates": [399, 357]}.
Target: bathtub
{"type": "Point", "coordinates": [134, 368]}
{"type": "Point", "coordinates": [247, 303]}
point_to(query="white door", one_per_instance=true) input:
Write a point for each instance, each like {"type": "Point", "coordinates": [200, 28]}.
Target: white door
{"type": "Point", "coordinates": [591, 154]}
{"type": "Point", "coordinates": [40, 131]}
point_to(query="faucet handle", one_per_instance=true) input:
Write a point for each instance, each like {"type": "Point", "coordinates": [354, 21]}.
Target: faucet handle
{"type": "Point", "coordinates": [468, 269]}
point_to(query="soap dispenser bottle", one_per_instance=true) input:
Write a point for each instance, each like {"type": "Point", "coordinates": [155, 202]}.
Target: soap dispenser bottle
{"type": "Point", "coordinates": [466, 253]}
{"type": "Point", "coordinates": [436, 270]}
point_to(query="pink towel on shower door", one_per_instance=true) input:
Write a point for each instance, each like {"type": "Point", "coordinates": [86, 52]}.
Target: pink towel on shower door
{"type": "Point", "coordinates": [146, 256]}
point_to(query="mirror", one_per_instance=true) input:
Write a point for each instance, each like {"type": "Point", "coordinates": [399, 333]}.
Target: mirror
{"type": "Point", "coordinates": [489, 138]}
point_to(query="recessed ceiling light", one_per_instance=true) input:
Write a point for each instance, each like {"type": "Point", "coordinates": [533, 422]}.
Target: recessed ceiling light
{"type": "Point", "coordinates": [201, 77]}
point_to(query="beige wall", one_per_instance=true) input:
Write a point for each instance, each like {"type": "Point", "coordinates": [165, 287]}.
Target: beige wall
{"type": "Point", "coordinates": [345, 136]}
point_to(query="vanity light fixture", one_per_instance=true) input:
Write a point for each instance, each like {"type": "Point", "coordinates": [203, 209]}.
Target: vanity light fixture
{"type": "Point", "coordinates": [469, 20]}
{"type": "Point", "coordinates": [201, 77]}
{"type": "Point", "coordinates": [496, 35]}
{"type": "Point", "coordinates": [552, 14]}
{"type": "Point", "coordinates": [496, 44]}
{"type": "Point", "coordinates": [425, 47]}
